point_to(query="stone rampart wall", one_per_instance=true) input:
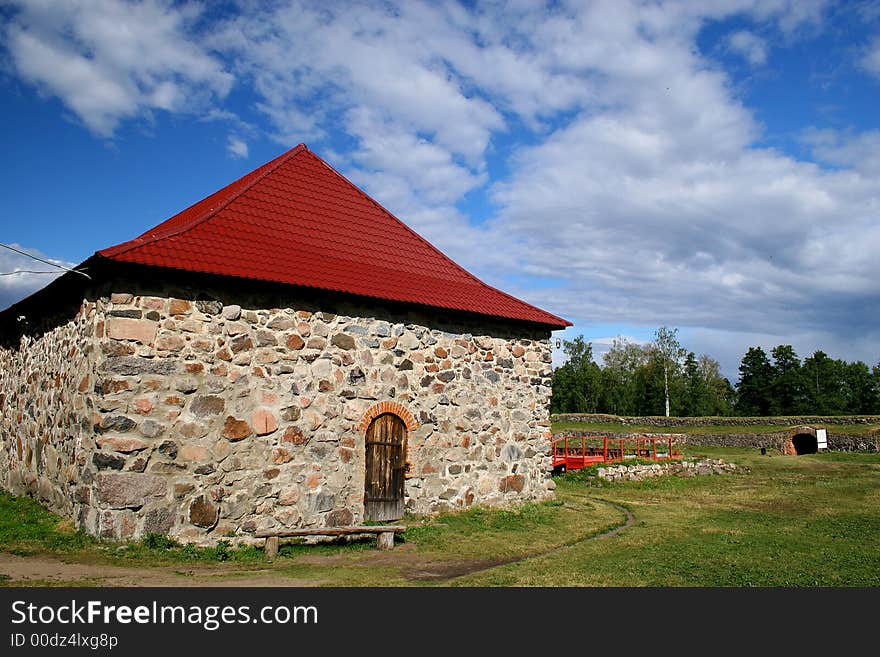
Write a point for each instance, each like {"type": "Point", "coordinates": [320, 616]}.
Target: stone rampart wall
{"type": "Point", "coordinates": [661, 421]}
{"type": "Point", "coordinates": [772, 440]}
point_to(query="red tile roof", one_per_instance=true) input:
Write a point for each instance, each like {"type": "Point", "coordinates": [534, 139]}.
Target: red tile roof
{"type": "Point", "coordinates": [297, 220]}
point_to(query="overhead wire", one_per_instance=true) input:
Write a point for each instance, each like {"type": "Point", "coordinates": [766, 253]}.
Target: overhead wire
{"type": "Point", "coordinates": [47, 262]}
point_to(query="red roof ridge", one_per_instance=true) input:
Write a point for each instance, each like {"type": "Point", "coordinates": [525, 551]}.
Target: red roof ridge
{"type": "Point", "coordinates": [420, 237]}
{"type": "Point", "coordinates": [323, 217]}
{"type": "Point", "coordinates": [268, 168]}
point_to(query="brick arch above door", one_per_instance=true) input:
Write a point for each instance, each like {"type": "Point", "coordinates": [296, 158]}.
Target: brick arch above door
{"type": "Point", "coordinates": [387, 407]}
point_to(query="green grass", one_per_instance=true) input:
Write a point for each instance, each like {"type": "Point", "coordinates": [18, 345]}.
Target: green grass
{"type": "Point", "coordinates": [501, 534]}
{"type": "Point", "coordinates": [27, 528]}
{"type": "Point", "coordinates": [783, 521]}
{"type": "Point", "coordinates": [792, 521]}
{"type": "Point", "coordinates": [723, 429]}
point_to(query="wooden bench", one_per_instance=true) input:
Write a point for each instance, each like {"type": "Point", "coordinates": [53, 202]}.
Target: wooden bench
{"type": "Point", "coordinates": [384, 535]}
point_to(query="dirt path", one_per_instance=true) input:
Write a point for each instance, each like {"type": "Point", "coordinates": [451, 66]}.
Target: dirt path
{"type": "Point", "coordinates": [45, 570]}
{"type": "Point", "coordinates": [48, 570]}
{"type": "Point", "coordinates": [441, 571]}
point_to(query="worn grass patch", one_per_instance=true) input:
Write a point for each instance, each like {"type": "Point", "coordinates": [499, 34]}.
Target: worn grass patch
{"type": "Point", "coordinates": [500, 534]}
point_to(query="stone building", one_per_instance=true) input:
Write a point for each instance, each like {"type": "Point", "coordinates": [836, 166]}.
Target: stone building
{"type": "Point", "coordinates": [284, 353]}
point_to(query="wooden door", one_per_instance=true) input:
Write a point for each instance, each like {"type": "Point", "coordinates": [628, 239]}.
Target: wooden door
{"type": "Point", "coordinates": [385, 467]}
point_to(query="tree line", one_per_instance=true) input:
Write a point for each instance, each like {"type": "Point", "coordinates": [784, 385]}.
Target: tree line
{"type": "Point", "coordinates": [663, 378]}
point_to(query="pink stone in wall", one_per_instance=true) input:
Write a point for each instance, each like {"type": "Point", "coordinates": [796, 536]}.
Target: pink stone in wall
{"type": "Point", "coordinates": [121, 444]}
{"type": "Point", "coordinates": [235, 429]}
{"type": "Point", "coordinates": [281, 455]}
{"type": "Point", "coordinates": [170, 343]}
{"type": "Point", "coordinates": [294, 435]}
{"type": "Point", "coordinates": [195, 453]}
{"type": "Point", "coordinates": [263, 421]}
{"type": "Point", "coordinates": [143, 406]}
{"type": "Point", "coordinates": [288, 496]}
{"type": "Point", "coordinates": [179, 307]}
{"type": "Point", "coordinates": [139, 330]}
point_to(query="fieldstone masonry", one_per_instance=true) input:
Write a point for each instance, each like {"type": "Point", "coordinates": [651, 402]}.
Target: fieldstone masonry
{"type": "Point", "coordinates": [206, 420]}
{"type": "Point", "coordinates": [640, 471]}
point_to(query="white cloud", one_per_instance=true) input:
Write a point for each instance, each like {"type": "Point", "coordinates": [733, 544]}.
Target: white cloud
{"type": "Point", "coordinates": [17, 273]}
{"type": "Point", "coordinates": [635, 184]}
{"type": "Point", "coordinates": [428, 170]}
{"type": "Point", "coordinates": [110, 60]}
{"type": "Point", "coordinates": [649, 202]}
{"type": "Point", "coordinates": [357, 56]}
{"type": "Point", "coordinates": [752, 47]}
{"type": "Point", "coordinates": [237, 147]}
{"type": "Point", "coordinates": [871, 59]}
{"type": "Point", "coordinates": [859, 151]}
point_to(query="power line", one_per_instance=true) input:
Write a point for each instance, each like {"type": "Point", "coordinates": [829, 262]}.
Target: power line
{"type": "Point", "coordinates": [25, 271]}
{"type": "Point", "coordinates": [47, 262]}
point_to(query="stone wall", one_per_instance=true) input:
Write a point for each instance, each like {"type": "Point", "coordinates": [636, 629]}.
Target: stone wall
{"type": "Point", "coordinates": [214, 420]}
{"type": "Point", "coordinates": [640, 471]}
{"type": "Point", "coordinates": [47, 413]}
{"type": "Point", "coordinates": [840, 442]}
{"type": "Point", "coordinates": [772, 440]}
{"type": "Point", "coordinates": [661, 421]}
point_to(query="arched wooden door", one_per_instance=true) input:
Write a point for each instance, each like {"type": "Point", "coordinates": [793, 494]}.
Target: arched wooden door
{"type": "Point", "coordinates": [385, 467]}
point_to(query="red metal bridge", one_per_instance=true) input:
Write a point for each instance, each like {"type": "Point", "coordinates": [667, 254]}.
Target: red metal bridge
{"type": "Point", "coordinates": [576, 452]}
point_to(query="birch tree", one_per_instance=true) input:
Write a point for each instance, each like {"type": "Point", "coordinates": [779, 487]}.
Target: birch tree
{"type": "Point", "coordinates": [669, 352]}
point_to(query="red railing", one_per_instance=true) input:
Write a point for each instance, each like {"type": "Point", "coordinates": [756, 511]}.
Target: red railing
{"type": "Point", "coordinates": [576, 452]}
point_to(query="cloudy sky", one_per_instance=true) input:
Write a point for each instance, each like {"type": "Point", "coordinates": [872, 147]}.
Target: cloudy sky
{"type": "Point", "coordinates": [711, 166]}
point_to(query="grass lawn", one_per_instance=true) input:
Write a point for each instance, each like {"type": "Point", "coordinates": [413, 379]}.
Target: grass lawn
{"type": "Point", "coordinates": [790, 521]}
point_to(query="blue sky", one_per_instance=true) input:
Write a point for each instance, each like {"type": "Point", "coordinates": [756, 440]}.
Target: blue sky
{"type": "Point", "coordinates": [708, 166]}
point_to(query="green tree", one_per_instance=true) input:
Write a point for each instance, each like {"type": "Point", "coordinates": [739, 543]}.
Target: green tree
{"type": "Point", "coordinates": [754, 387]}
{"type": "Point", "coordinates": [860, 389]}
{"type": "Point", "coordinates": [651, 381]}
{"type": "Point", "coordinates": [668, 353]}
{"type": "Point", "coordinates": [576, 384]}
{"type": "Point", "coordinates": [875, 378]}
{"type": "Point", "coordinates": [787, 386]}
{"type": "Point", "coordinates": [721, 395]}
{"type": "Point", "coordinates": [696, 393]}
{"type": "Point", "coordinates": [620, 389]}
{"type": "Point", "coordinates": [824, 385]}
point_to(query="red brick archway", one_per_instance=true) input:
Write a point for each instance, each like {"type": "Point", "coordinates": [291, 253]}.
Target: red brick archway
{"type": "Point", "coordinates": [400, 411]}
{"type": "Point", "coordinates": [800, 440]}
{"type": "Point", "coordinates": [387, 407]}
